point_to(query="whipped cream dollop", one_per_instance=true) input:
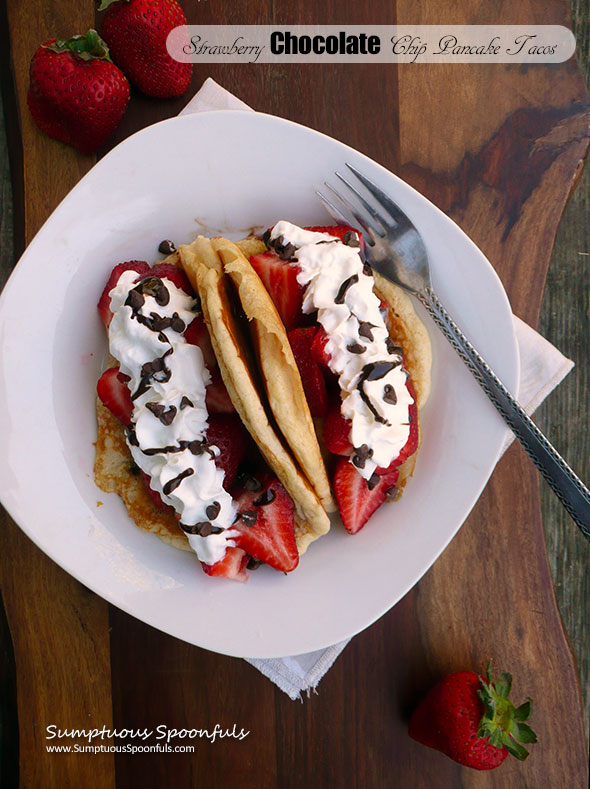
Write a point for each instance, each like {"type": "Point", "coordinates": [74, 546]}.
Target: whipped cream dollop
{"type": "Point", "coordinates": [368, 364]}
{"type": "Point", "coordinates": [168, 380]}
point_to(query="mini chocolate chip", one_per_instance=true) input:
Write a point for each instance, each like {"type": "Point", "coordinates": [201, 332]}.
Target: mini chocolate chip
{"type": "Point", "coordinates": [191, 528]}
{"type": "Point", "coordinates": [167, 247]}
{"type": "Point", "coordinates": [355, 347]}
{"type": "Point", "coordinates": [367, 270]}
{"type": "Point", "coordinates": [131, 436]}
{"type": "Point", "coordinates": [252, 484]}
{"type": "Point", "coordinates": [392, 347]}
{"type": "Point", "coordinates": [249, 517]}
{"type": "Point", "coordinates": [197, 447]}
{"type": "Point", "coordinates": [391, 493]}
{"type": "Point", "coordinates": [362, 454]}
{"type": "Point", "coordinates": [373, 481]}
{"type": "Point", "coordinates": [350, 238]}
{"type": "Point", "coordinates": [265, 498]}
{"type": "Point", "coordinates": [135, 299]}
{"type": "Point", "coordinates": [213, 510]}
{"type": "Point", "coordinates": [344, 287]}
{"type": "Point", "coordinates": [177, 324]}
{"type": "Point", "coordinates": [266, 237]}
{"type": "Point", "coordinates": [157, 409]}
{"type": "Point", "coordinates": [162, 295]}
{"type": "Point", "coordinates": [196, 308]}
{"type": "Point", "coordinates": [185, 403]}
{"type": "Point", "coordinates": [206, 529]}
{"type": "Point", "coordinates": [173, 483]}
{"type": "Point", "coordinates": [389, 395]}
{"type": "Point", "coordinates": [365, 330]}
{"type": "Point", "coordinates": [253, 564]}
{"type": "Point", "coordinates": [168, 416]}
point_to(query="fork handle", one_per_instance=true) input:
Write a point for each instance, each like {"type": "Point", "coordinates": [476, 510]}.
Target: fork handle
{"type": "Point", "coordinates": [570, 490]}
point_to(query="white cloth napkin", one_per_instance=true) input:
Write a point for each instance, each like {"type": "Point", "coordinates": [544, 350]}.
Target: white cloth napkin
{"type": "Point", "coordinates": [542, 367]}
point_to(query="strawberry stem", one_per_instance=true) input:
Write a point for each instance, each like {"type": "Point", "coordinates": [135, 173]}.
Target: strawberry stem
{"type": "Point", "coordinates": [501, 722]}
{"type": "Point", "coordinates": [106, 3]}
{"type": "Point", "coordinates": [88, 47]}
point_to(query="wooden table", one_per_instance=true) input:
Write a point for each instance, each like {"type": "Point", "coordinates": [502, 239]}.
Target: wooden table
{"type": "Point", "coordinates": [499, 148]}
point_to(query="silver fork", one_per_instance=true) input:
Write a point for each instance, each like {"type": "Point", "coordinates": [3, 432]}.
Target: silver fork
{"type": "Point", "coordinates": [395, 249]}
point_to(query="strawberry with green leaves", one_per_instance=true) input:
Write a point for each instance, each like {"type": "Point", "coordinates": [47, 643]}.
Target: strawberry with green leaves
{"type": "Point", "coordinates": [471, 719]}
{"type": "Point", "coordinates": [136, 32]}
{"type": "Point", "coordinates": [76, 93]}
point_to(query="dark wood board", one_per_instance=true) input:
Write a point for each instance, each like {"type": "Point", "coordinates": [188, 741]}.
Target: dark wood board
{"type": "Point", "coordinates": [500, 152]}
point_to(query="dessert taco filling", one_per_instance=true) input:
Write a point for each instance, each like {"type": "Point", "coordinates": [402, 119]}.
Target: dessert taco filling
{"type": "Point", "coordinates": [362, 355]}
{"type": "Point", "coordinates": [169, 439]}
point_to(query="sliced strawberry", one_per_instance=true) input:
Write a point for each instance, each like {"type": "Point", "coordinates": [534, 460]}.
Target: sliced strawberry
{"type": "Point", "coordinates": [114, 393]}
{"type": "Point", "coordinates": [233, 565]}
{"type": "Point", "coordinates": [227, 432]}
{"type": "Point", "coordinates": [174, 274]}
{"type": "Point", "coordinates": [337, 430]}
{"type": "Point", "coordinates": [104, 305]}
{"type": "Point", "coordinates": [218, 400]}
{"type": "Point", "coordinates": [318, 348]}
{"type": "Point", "coordinates": [266, 526]}
{"type": "Point", "coordinates": [279, 277]}
{"type": "Point", "coordinates": [197, 334]}
{"type": "Point", "coordinates": [314, 384]}
{"type": "Point", "coordinates": [411, 444]}
{"type": "Point", "coordinates": [355, 500]}
{"type": "Point", "coordinates": [155, 496]}
{"type": "Point", "coordinates": [340, 231]}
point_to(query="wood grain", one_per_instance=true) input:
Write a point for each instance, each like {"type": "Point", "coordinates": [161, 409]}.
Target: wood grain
{"type": "Point", "coordinates": [565, 321]}
{"type": "Point", "coordinates": [59, 629]}
{"type": "Point", "coordinates": [499, 152]}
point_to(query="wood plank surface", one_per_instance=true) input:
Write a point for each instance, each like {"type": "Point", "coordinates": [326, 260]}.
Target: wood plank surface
{"type": "Point", "coordinates": [500, 153]}
{"type": "Point", "coordinates": [59, 629]}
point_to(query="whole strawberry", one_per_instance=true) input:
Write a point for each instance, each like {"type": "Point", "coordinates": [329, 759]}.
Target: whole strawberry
{"type": "Point", "coordinates": [76, 94]}
{"type": "Point", "coordinates": [136, 32]}
{"type": "Point", "coordinates": [473, 721]}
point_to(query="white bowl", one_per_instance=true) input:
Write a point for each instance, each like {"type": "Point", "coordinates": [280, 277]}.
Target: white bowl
{"type": "Point", "coordinates": [226, 172]}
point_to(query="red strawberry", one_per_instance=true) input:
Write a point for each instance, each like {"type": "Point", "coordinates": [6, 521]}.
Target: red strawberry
{"type": "Point", "coordinates": [337, 430]}
{"type": "Point", "coordinates": [136, 32]}
{"type": "Point", "coordinates": [104, 304]}
{"type": "Point", "coordinates": [218, 400]}
{"type": "Point", "coordinates": [279, 277]}
{"type": "Point", "coordinates": [356, 501]}
{"type": "Point", "coordinates": [227, 432]}
{"type": "Point", "coordinates": [174, 274]}
{"type": "Point", "coordinates": [473, 721]}
{"type": "Point", "coordinates": [314, 384]}
{"type": "Point", "coordinates": [318, 348]}
{"type": "Point", "coordinates": [114, 393]}
{"type": "Point", "coordinates": [76, 94]}
{"type": "Point", "coordinates": [197, 334]}
{"type": "Point", "coordinates": [267, 529]}
{"type": "Point", "coordinates": [341, 232]}
{"type": "Point", "coordinates": [155, 496]}
{"type": "Point", "coordinates": [411, 444]}
{"type": "Point", "coordinates": [233, 565]}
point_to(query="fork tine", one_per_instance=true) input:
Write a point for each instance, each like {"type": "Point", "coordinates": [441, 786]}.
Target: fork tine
{"type": "Point", "coordinates": [385, 201]}
{"type": "Point", "coordinates": [365, 203]}
{"type": "Point", "coordinates": [363, 221]}
{"type": "Point", "coordinates": [334, 212]}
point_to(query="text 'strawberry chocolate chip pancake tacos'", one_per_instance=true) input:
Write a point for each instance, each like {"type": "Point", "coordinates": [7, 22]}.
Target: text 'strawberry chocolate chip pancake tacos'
{"type": "Point", "coordinates": [362, 353]}
{"type": "Point", "coordinates": [170, 442]}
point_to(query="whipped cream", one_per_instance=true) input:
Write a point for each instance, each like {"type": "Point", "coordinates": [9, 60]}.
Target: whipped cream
{"type": "Point", "coordinates": [168, 380]}
{"type": "Point", "coordinates": [369, 367]}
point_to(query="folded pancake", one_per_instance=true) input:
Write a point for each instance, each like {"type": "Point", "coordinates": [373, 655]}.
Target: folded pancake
{"type": "Point", "coordinates": [204, 268]}
{"type": "Point", "coordinates": [279, 370]}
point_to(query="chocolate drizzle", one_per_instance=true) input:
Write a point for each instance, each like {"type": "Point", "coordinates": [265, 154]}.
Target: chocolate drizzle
{"type": "Point", "coordinates": [155, 370]}
{"type": "Point", "coordinates": [344, 287]}
{"type": "Point", "coordinates": [172, 484]}
{"type": "Point", "coordinates": [373, 371]}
